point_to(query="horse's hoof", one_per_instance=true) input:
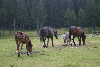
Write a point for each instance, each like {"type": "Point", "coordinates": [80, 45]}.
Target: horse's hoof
{"type": "Point", "coordinates": [71, 44]}
{"type": "Point", "coordinates": [18, 54]}
{"type": "Point", "coordinates": [53, 46]}
{"type": "Point", "coordinates": [44, 46]}
{"type": "Point", "coordinates": [28, 54]}
{"type": "Point", "coordinates": [75, 44]}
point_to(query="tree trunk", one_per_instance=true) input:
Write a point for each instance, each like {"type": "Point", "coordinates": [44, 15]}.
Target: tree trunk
{"type": "Point", "coordinates": [53, 25]}
{"type": "Point", "coordinates": [88, 30]}
{"type": "Point", "coordinates": [0, 32]}
{"type": "Point", "coordinates": [3, 30]}
{"type": "Point", "coordinates": [37, 26]}
{"type": "Point", "coordinates": [23, 26]}
{"type": "Point", "coordinates": [20, 25]}
{"type": "Point", "coordinates": [41, 24]}
{"type": "Point", "coordinates": [94, 28]}
{"type": "Point", "coordinates": [14, 25]}
{"type": "Point", "coordinates": [50, 23]}
{"type": "Point", "coordinates": [10, 29]}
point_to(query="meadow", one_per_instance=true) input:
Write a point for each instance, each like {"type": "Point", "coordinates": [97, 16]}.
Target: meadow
{"type": "Point", "coordinates": [87, 55]}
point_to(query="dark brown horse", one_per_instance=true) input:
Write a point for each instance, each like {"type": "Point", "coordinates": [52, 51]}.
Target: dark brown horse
{"type": "Point", "coordinates": [47, 32]}
{"type": "Point", "coordinates": [23, 38]}
{"type": "Point", "coordinates": [77, 32]}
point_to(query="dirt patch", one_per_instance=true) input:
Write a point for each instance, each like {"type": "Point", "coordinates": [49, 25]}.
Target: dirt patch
{"type": "Point", "coordinates": [31, 52]}
{"type": "Point", "coordinates": [60, 49]}
{"type": "Point", "coordinates": [42, 54]}
{"type": "Point", "coordinates": [95, 47]}
{"type": "Point", "coordinates": [64, 45]}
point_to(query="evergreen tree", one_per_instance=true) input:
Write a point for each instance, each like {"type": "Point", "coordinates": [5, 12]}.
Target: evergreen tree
{"type": "Point", "coordinates": [70, 17]}
{"type": "Point", "coordinates": [90, 11]}
{"type": "Point", "coordinates": [81, 17]}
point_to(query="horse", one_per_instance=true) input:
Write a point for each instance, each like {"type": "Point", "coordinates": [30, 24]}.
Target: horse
{"type": "Point", "coordinates": [23, 38]}
{"type": "Point", "coordinates": [66, 37]}
{"type": "Point", "coordinates": [77, 32]}
{"type": "Point", "coordinates": [47, 32]}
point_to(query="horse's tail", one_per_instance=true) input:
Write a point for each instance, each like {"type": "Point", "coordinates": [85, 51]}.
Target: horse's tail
{"type": "Point", "coordinates": [70, 33]}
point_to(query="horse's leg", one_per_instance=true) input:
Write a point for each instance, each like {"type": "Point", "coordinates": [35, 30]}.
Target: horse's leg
{"type": "Point", "coordinates": [27, 48]}
{"type": "Point", "coordinates": [80, 41]}
{"type": "Point", "coordinates": [47, 42]}
{"type": "Point", "coordinates": [18, 45]}
{"type": "Point", "coordinates": [73, 40]}
{"type": "Point", "coordinates": [44, 42]}
{"type": "Point", "coordinates": [67, 42]}
{"type": "Point", "coordinates": [83, 42]}
{"type": "Point", "coordinates": [52, 41]}
{"type": "Point", "coordinates": [21, 46]}
{"type": "Point", "coordinates": [78, 37]}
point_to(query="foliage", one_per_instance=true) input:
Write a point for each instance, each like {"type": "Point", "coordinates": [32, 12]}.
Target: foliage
{"type": "Point", "coordinates": [3, 16]}
{"type": "Point", "coordinates": [70, 17]}
{"type": "Point", "coordinates": [52, 13]}
{"type": "Point", "coordinates": [81, 17]}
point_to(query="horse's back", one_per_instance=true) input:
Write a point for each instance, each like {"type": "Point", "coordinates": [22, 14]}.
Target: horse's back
{"type": "Point", "coordinates": [26, 38]}
{"type": "Point", "coordinates": [73, 30]}
{"type": "Point", "coordinates": [79, 31]}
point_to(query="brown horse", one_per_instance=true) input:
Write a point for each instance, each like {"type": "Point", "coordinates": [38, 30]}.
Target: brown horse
{"type": "Point", "coordinates": [23, 38]}
{"type": "Point", "coordinates": [78, 32]}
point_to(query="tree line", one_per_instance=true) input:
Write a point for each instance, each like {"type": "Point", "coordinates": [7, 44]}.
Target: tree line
{"type": "Point", "coordinates": [29, 14]}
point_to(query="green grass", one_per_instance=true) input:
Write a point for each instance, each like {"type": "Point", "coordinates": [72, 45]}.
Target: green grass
{"type": "Point", "coordinates": [80, 56]}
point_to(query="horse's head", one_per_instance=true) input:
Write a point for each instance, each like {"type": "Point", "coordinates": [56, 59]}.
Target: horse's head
{"type": "Point", "coordinates": [30, 46]}
{"type": "Point", "coordinates": [20, 35]}
{"type": "Point", "coordinates": [83, 38]}
{"type": "Point", "coordinates": [56, 34]}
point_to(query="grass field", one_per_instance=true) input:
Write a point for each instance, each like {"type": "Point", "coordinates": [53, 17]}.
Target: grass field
{"type": "Point", "coordinates": [71, 56]}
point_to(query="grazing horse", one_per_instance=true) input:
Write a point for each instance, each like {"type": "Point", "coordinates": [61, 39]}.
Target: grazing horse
{"type": "Point", "coordinates": [23, 38]}
{"type": "Point", "coordinates": [47, 32]}
{"type": "Point", "coordinates": [78, 32]}
{"type": "Point", "coordinates": [66, 37]}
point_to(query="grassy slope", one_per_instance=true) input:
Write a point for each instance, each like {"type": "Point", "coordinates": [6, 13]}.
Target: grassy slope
{"type": "Point", "coordinates": [71, 56]}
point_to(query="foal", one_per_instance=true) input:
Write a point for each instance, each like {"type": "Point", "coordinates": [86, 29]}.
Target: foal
{"type": "Point", "coordinates": [66, 37]}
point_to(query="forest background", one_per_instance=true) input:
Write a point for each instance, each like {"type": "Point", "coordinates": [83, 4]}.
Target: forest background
{"type": "Point", "coordinates": [33, 14]}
